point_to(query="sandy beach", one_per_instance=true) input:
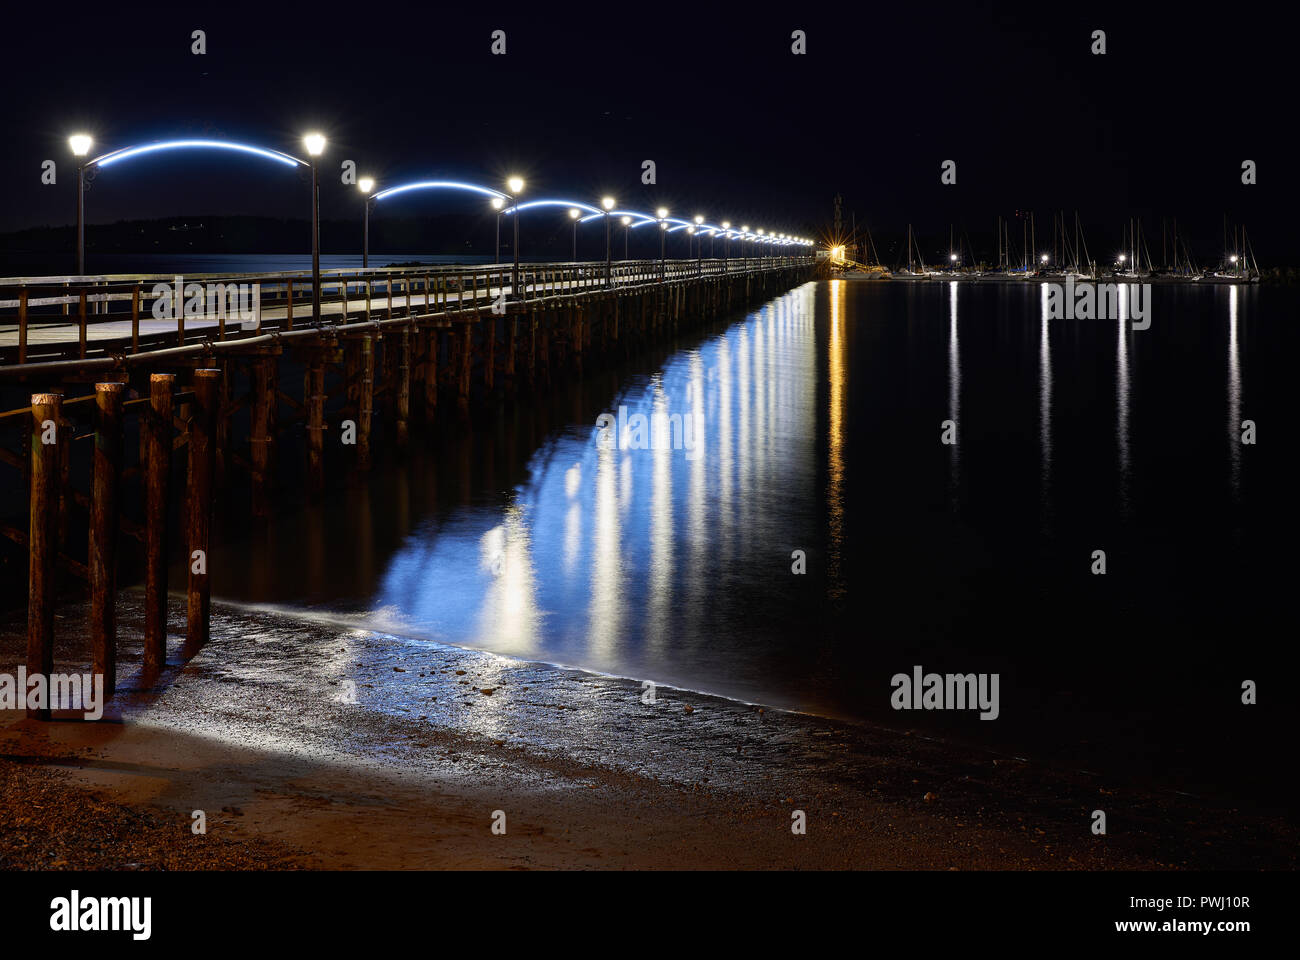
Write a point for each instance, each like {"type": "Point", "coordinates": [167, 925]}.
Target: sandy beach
{"type": "Point", "coordinates": [257, 732]}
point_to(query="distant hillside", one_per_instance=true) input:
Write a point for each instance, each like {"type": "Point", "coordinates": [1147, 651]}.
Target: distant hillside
{"type": "Point", "coordinates": [444, 234]}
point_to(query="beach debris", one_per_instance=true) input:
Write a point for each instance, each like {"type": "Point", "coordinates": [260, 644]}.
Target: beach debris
{"type": "Point", "coordinates": [689, 709]}
{"type": "Point", "coordinates": [930, 795]}
{"type": "Point", "coordinates": [487, 691]}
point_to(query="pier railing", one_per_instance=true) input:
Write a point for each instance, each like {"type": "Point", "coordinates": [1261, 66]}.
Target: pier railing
{"type": "Point", "coordinates": [50, 318]}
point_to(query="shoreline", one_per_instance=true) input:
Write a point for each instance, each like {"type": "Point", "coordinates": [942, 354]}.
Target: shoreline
{"type": "Point", "coordinates": [588, 776]}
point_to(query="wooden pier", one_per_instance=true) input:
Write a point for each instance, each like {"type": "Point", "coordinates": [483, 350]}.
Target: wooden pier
{"type": "Point", "coordinates": [117, 360]}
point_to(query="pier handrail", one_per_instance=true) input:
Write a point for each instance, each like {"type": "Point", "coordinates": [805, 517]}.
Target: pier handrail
{"type": "Point", "coordinates": [82, 317]}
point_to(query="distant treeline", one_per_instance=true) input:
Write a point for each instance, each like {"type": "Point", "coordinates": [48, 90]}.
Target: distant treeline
{"type": "Point", "coordinates": [450, 233]}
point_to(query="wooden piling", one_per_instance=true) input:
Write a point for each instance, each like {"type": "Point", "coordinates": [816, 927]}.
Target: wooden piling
{"type": "Point", "coordinates": [403, 373]}
{"type": "Point", "coordinates": [102, 554]}
{"type": "Point", "coordinates": [64, 447]}
{"type": "Point", "coordinates": [532, 347]}
{"type": "Point", "coordinates": [430, 374]}
{"type": "Point", "coordinates": [42, 538]}
{"type": "Point", "coordinates": [543, 344]}
{"type": "Point", "coordinates": [465, 358]}
{"type": "Point", "coordinates": [199, 514]}
{"type": "Point", "coordinates": [262, 433]}
{"type": "Point", "coordinates": [365, 400]}
{"type": "Point", "coordinates": [157, 469]}
{"type": "Point", "coordinates": [314, 399]}
{"type": "Point", "coordinates": [576, 317]}
{"type": "Point", "coordinates": [351, 375]}
{"type": "Point", "coordinates": [388, 373]}
{"type": "Point", "coordinates": [512, 347]}
{"type": "Point", "coordinates": [224, 427]}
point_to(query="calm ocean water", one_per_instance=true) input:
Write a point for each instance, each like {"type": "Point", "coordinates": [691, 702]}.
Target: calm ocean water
{"type": "Point", "coordinates": [818, 420]}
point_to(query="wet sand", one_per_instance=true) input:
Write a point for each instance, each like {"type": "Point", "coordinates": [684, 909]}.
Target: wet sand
{"type": "Point", "coordinates": [257, 731]}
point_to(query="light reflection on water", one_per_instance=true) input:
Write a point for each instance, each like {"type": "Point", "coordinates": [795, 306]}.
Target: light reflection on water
{"type": "Point", "coordinates": [835, 487]}
{"type": "Point", "coordinates": [1045, 404]}
{"type": "Point", "coordinates": [1234, 392]}
{"type": "Point", "coordinates": [607, 555]}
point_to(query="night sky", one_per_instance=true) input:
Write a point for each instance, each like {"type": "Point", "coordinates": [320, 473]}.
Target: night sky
{"type": "Point", "coordinates": [739, 127]}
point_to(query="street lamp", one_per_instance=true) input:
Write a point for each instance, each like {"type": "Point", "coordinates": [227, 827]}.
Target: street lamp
{"type": "Point", "coordinates": [608, 204]}
{"type": "Point", "coordinates": [80, 144]}
{"type": "Point", "coordinates": [627, 228]}
{"type": "Point", "coordinates": [573, 215]}
{"type": "Point", "coordinates": [726, 243]}
{"type": "Point", "coordinates": [315, 144]}
{"type": "Point", "coordinates": [516, 186]}
{"type": "Point", "coordinates": [662, 213]}
{"type": "Point", "coordinates": [744, 231]}
{"type": "Point", "coordinates": [367, 185]}
{"type": "Point", "coordinates": [760, 242]}
{"type": "Point", "coordinates": [497, 204]}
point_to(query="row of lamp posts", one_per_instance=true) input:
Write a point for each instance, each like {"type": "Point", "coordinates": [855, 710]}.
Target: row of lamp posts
{"type": "Point", "coordinates": [315, 144]}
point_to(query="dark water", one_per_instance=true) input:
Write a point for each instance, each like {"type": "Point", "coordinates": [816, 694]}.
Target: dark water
{"type": "Point", "coordinates": [821, 415]}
